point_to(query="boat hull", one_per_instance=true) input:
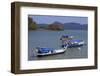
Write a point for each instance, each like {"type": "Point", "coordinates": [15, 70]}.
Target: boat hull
{"type": "Point", "coordinates": [59, 51]}
{"type": "Point", "coordinates": [74, 44]}
{"type": "Point", "coordinates": [40, 55]}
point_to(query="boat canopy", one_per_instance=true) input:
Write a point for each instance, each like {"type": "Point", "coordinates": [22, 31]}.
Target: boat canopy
{"type": "Point", "coordinates": [44, 50]}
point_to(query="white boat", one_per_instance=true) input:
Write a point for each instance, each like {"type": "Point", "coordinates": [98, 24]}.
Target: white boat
{"type": "Point", "coordinates": [73, 43]}
{"type": "Point", "coordinates": [48, 51]}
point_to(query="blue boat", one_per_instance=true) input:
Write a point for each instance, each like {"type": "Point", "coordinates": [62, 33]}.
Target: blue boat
{"type": "Point", "coordinates": [73, 43]}
{"type": "Point", "coordinates": [49, 51]}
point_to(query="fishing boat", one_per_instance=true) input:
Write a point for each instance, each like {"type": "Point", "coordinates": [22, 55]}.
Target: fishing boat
{"type": "Point", "coordinates": [73, 43]}
{"type": "Point", "coordinates": [49, 51]}
{"type": "Point", "coordinates": [66, 37]}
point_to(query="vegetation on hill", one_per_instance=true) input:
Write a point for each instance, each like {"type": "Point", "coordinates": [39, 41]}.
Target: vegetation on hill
{"type": "Point", "coordinates": [31, 24]}
{"type": "Point", "coordinates": [55, 26]}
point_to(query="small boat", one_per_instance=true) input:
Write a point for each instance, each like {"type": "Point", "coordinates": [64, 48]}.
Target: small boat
{"type": "Point", "coordinates": [66, 37]}
{"type": "Point", "coordinates": [73, 43]}
{"type": "Point", "coordinates": [49, 51]}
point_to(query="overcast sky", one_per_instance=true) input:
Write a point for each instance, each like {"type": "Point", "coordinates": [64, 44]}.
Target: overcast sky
{"type": "Point", "coordinates": [41, 19]}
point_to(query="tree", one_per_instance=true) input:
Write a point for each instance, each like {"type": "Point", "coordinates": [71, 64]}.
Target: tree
{"type": "Point", "coordinates": [31, 24]}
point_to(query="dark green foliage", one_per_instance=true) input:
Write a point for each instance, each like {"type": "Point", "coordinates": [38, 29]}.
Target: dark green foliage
{"type": "Point", "coordinates": [31, 24]}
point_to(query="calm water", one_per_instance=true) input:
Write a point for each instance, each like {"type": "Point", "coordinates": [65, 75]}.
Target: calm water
{"type": "Point", "coordinates": [51, 39]}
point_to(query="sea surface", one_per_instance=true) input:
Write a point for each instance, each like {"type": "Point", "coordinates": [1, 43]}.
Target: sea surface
{"type": "Point", "coordinates": [51, 39]}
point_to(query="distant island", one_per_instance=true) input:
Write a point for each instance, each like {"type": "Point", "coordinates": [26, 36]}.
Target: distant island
{"type": "Point", "coordinates": [56, 26]}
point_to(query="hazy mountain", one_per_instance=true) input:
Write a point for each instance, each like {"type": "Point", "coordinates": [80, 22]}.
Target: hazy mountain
{"type": "Point", "coordinates": [67, 26]}
{"type": "Point", "coordinates": [55, 26]}
{"type": "Point", "coordinates": [75, 26]}
{"type": "Point", "coordinates": [42, 25]}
